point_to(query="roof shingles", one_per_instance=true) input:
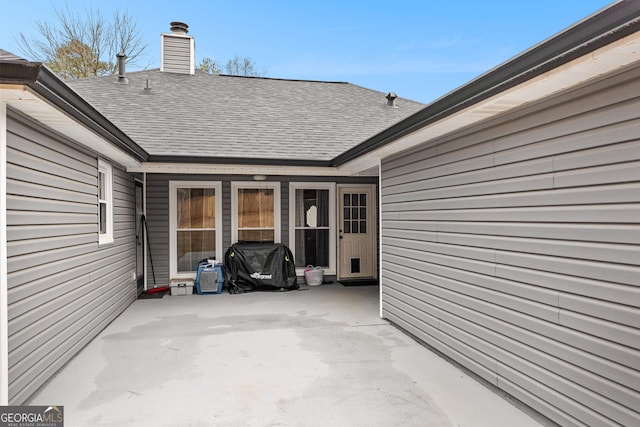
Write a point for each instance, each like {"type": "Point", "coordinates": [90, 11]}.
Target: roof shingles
{"type": "Point", "coordinates": [241, 117]}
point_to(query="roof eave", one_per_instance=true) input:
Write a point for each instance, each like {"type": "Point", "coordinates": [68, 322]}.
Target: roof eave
{"type": "Point", "coordinates": [239, 160]}
{"type": "Point", "coordinates": [596, 31]}
{"type": "Point", "coordinates": [19, 72]}
{"type": "Point", "coordinates": [43, 82]}
{"type": "Point", "coordinates": [50, 87]}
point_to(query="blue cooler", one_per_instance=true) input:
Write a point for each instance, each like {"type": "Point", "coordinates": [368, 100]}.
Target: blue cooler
{"type": "Point", "coordinates": [209, 279]}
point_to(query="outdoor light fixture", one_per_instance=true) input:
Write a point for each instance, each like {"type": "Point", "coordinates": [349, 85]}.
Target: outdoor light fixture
{"type": "Point", "coordinates": [259, 177]}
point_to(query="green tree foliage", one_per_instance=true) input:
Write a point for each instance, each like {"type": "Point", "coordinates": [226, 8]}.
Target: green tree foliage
{"type": "Point", "coordinates": [76, 60]}
{"type": "Point", "coordinates": [77, 46]}
{"type": "Point", "coordinates": [209, 65]}
{"type": "Point", "coordinates": [235, 67]}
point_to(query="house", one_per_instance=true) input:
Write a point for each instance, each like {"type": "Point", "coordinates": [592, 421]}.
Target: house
{"type": "Point", "coordinates": [119, 183]}
{"type": "Point", "coordinates": [259, 151]}
{"type": "Point", "coordinates": [505, 215]}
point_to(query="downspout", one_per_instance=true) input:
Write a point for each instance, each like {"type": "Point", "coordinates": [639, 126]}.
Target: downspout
{"type": "Point", "coordinates": [4, 329]}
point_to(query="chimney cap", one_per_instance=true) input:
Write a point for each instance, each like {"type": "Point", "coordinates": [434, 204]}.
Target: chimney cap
{"type": "Point", "coordinates": [179, 27]}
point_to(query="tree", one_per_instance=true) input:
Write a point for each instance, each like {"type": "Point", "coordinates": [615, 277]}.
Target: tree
{"type": "Point", "coordinates": [76, 46]}
{"type": "Point", "coordinates": [209, 65]}
{"type": "Point", "coordinates": [76, 60]}
{"type": "Point", "coordinates": [242, 67]}
{"type": "Point", "coordinates": [235, 67]}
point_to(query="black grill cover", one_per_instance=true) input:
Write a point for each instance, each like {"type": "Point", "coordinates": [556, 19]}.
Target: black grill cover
{"type": "Point", "coordinates": [259, 267]}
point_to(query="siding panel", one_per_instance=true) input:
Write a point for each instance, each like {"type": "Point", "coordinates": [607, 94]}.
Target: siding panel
{"type": "Point", "coordinates": [514, 248]}
{"type": "Point", "coordinates": [63, 288]}
{"type": "Point", "coordinates": [177, 58]}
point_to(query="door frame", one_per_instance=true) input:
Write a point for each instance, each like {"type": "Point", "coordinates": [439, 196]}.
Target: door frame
{"type": "Point", "coordinates": [140, 236]}
{"type": "Point", "coordinates": [372, 224]}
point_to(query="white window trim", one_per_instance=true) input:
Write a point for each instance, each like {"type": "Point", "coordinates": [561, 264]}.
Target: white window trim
{"type": "Point", "coordinates": [107, 170]}
{"type": "Point", "coordinates": [293, 186]}
{"type": "Point", "coordinates": [237, 185]}
{"type": "Point", "coordinates": [173, 222]}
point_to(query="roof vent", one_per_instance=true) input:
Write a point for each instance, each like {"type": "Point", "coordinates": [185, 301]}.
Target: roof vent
{"type": "Point", "coordinates": [122, 78]}
{"type": "Point", "coordinates": [179, 27]}
{"type": "Point", "coordinates": [391, 100]}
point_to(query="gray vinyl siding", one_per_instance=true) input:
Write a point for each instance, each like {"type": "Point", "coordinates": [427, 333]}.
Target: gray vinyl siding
{"type": "Point", "coordinates": [157, 216]}
{"type": "Point", "coordinates": [177, 54]}
{"type": "Point", "coordinates": [514, 249]}
{"type": "Point", "coordinates": [63, 288]}
{"type": "Point", "coordinates": [158, 212]}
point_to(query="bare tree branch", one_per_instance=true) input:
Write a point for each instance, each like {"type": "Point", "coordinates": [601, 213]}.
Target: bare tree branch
{"type": "Point", "coordinates": [77, 46]}
{"type": "Point", "coordinates": [243, 67]}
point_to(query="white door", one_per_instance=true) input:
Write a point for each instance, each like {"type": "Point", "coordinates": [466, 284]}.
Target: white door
{"type": "Point", "coordinates": [356, 231]}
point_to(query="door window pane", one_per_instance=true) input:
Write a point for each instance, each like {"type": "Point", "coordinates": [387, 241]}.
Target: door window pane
{"type": "Point", "coordinates": [312, 247]}
{"type": "Point", "coordinates": [312, 227]}
{"type": "Point", "coordinates": [355, 213]}
{"type": "Point", "coordinates": [312, 208]}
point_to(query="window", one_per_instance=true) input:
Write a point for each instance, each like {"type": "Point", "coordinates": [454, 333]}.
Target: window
{"type": "Point", "coordinates": [355, 213]}
{"type": "Point", "coordinates": [312, 209]}
{"type": "Point", "coordinates": [255, 215]}
{"type": "Point", "coordinates": [105, 203]}
{"type": "Point", "coordinates": [195, 225]}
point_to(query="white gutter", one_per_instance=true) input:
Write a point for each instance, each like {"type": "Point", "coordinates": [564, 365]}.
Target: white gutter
{"type": "Point", "coordinates": [4, 328]}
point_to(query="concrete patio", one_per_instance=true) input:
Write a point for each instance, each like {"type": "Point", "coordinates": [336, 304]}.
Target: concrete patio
{"type": "Point", "coordinates": [315, 357]}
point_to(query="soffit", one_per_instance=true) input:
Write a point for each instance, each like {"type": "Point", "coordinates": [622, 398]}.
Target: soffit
{"type": "Point", "coordinates": [24, 100]}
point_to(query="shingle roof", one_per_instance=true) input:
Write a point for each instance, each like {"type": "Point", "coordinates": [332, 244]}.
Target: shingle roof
{"type": "Point", "coordinates": [241, 117]}
{"type": "Point", "coordinates": [6, 56]}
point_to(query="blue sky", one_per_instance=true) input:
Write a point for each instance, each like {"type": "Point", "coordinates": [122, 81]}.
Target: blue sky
{"type": "Point", "coordinates": [420, 49]}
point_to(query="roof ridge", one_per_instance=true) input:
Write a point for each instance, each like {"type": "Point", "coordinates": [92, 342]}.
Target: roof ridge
{"type": "Point", "coordinates": [284, 79]}
{"type": "Point", "coordinates": [199, 72]}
